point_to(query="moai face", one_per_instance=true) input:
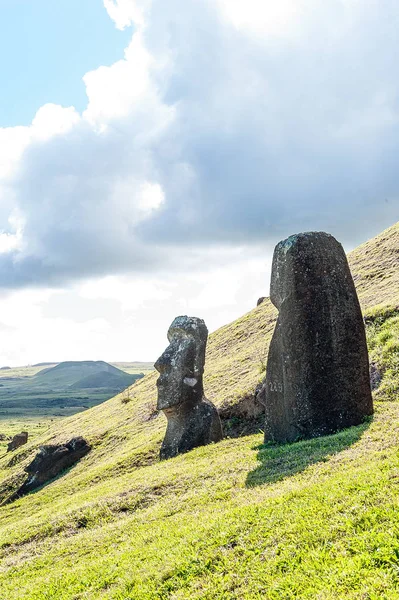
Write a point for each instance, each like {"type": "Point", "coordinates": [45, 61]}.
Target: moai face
{"type": "Point", "coordinates": [181, 366]}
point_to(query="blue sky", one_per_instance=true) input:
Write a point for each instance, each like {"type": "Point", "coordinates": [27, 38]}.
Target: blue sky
{"type": "Point", "coordinates": [46, 46]}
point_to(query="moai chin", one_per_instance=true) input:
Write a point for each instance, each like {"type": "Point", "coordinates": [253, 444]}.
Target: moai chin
{"type": "Point", "coordinates": [317, 378]}
{"type": "Point", "coordinates": [192, 420]}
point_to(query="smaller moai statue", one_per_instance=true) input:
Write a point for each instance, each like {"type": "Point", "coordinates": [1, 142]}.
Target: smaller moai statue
{"type": "Point", "coordinates": [192, 420]}
{"type": "Point", "coordinates": [18, 440]}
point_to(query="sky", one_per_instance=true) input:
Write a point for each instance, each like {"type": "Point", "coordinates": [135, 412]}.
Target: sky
{"type": "Point", "coordinates": [153, 153]}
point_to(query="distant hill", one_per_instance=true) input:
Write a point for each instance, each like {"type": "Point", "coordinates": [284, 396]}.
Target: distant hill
{"type": "Point", "coordinates": [62, 389]}
{"type": "Point", "coordinates": [83, 374]}
{"type": "Point", "coordinates": [105, 379]}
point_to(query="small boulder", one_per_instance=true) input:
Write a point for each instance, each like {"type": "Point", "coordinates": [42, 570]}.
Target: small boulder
{"type": "Point", "coordinates": [18, 440]}
{"type": "Point", "coordinates": [260, 300]}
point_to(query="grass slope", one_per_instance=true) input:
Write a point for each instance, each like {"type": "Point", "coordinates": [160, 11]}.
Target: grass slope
{"type": "Point", "coordinates": [70, 373]}
{"type": "Point", "coordinates": [375, 268]}
{"type": "Point", "coordinates": [315, 519]}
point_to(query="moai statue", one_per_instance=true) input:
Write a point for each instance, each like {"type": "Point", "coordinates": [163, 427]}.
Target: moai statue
{"type": "Point", "coordinates": [18, 440]}
{"type": "Point", "coordinates": [49, 462]}
{"type": "Point", "coordinates": [192, 420]}
{"type": "Point", "coordinates": [317, 378]}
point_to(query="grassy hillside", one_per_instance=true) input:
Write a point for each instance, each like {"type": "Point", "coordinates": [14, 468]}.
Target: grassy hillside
{"type": "Point", "coordinates": [375, 268]}
{"type": "Point", "coordinates": [35, 427]}
{"type": "Point", "coordinates": [315, 519]}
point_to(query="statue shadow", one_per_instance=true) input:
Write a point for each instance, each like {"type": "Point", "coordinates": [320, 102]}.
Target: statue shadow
{"type": "Point", "coordinates": [12, 496]}
{"type": "Point", "coordinates": [278, 461]}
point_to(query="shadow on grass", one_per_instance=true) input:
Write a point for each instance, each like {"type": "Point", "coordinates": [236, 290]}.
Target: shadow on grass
{"type": "Point", "coordinates": [9, 494]}
{"type": "Point", "coordinates": [278, 461]}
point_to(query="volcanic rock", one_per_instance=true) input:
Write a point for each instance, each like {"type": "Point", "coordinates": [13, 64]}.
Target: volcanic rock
{"type": "Point", "coordinates": [50, 461]}
{"type": "Point", "coordinates": [192, 420]}
{"type": "Point", "coordinates": [18, 440]}
{"type": "Point", "coordinates": [317, 376]}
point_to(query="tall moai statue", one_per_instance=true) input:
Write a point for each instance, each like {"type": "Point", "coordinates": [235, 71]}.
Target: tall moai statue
{"type": "Point", "coordinates": [192, 420]}
{"type": "Point", "coordinates": [317, 377]}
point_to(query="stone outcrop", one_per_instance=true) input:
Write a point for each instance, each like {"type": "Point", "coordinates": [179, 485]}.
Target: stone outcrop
{"type": "Point", "coordinates": [18, 440]}
{"type": "Point", "coordinates": [317, 377]}
{"type": "Point", "coordinates": [192, 420]}
{"type": "Point", "coordinates": [50, 461]}
{"type": "Point", "coordinates": [260, 300]}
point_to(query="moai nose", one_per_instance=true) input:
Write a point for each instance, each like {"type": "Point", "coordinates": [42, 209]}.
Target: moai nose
{"type": "Point", "coordinates": [164, 362]}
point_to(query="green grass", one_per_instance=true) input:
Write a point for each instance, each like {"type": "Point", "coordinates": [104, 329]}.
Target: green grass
{"type": "Point", "coordinates": [238, 520]}
{"type": "Point", "coordinates": [34, 426]}
{"type": "Point", "coordinates": [375, 268]}
{"type": "Point", "coordinates": [383, 343]}
{"type": "Point", "coordinates": [316, 519]}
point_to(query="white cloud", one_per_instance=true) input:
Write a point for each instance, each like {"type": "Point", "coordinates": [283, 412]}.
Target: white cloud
{"type": "Point", "coordinates": [30, 337]}
{"type": "Point", "coordinates": [225, 124]}
{"type": "Point", "coordinates": [123, 317]}
{"type": "Point", "coordinates": [116, 91]}
{"type": "Point", "coordinates": [266, 17]}
{"type": "Point", "coordinates": [151, 197]}
{"type": "Point", "coordinates": [8, 242]}
{"type": "Point", "coordinates": [51, 120]}
{"type": "Point", "coordinates": [225, 127]}
{"type": "Point", "coordinates": [127, 12]}
{"type": "Point", "coordinates": [13, 141]}
{"type": "Point", "coordinates": [130, 293]}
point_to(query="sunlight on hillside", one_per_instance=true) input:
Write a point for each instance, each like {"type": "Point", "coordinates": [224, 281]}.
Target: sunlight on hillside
{"type": "Point", "coordinates": [316, 518]}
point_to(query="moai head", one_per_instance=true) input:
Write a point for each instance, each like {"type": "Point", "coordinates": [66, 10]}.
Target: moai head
{"type": "Point", "coordinates": [181, 366]}
{"type": "Point", "coordinates": [308, 267]}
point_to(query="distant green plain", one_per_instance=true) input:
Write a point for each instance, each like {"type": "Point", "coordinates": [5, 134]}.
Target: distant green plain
{"type": "Point", "coordinates": [26, 404]}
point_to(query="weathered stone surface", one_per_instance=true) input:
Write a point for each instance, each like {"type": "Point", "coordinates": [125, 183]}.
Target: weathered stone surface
{"type": "Point", "coordinates": [260, 300]}
{"type": "Point", "coordinates": [50, 461]}
{"type": "Point", "coordinates": [317, 378]}
{"type": "Point", "coordinates": [192, 420]}
{"type": "Point", "coordinates": [18, 440]}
